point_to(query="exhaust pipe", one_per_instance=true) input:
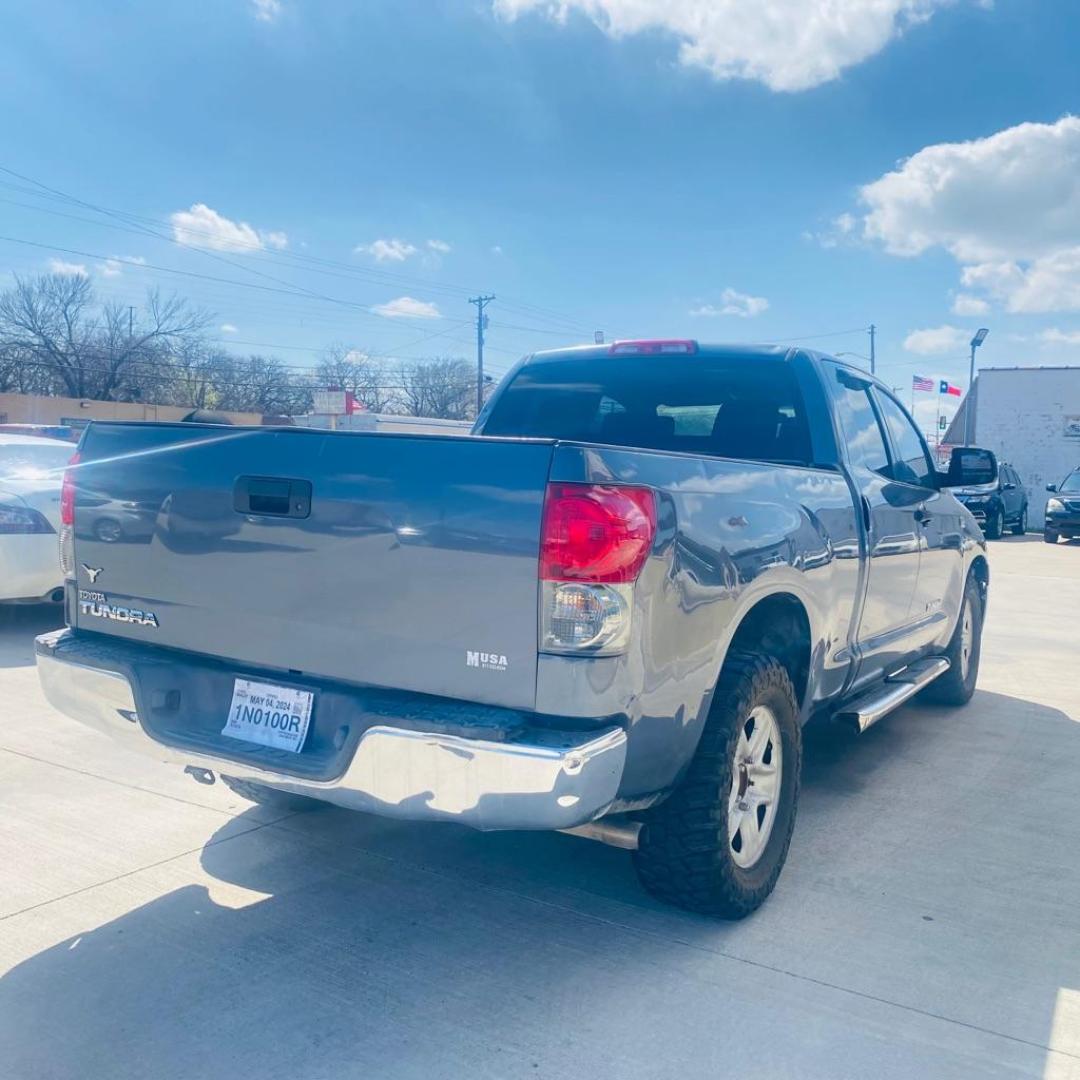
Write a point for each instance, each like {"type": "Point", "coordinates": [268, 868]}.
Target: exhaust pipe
{"type": "Point", "coordinates": [610, 831]}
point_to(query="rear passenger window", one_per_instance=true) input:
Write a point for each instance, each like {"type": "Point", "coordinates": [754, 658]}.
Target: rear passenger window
{"type": "Point", "coordinates": [859, 425]}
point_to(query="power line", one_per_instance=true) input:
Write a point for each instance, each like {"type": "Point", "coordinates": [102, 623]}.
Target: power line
{"type": "Point", "coordinates": [148, 226]}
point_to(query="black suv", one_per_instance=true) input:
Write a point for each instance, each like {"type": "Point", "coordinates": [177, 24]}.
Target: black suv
{"type": "Point", "coordinates": [997, 505]}
{"type": "Point", "coordinates": [1063, 512]}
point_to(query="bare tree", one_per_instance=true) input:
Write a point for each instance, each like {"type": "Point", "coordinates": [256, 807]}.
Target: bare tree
{"type": "Point", "coordinates": [49, 320]}
{"type": "Point", "coordinates": [258, 384]}
{"type": "Point", "coordinates": [442, 387]}
{"type": "Point", "coordinates": [190, 374]}
{"type": "Point", "coordinates": [346, 368]}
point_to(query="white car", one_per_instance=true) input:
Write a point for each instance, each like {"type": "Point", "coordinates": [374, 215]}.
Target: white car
{"type": "Point", "coordinates": [31, 474]}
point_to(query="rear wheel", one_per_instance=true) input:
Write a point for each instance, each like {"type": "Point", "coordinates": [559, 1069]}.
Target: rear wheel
{"type": "Point", "coordinates": [995, 524]}
{"type": "Point", "coordinates": [1021, 525]}
{"type": "Point", "coordinates": [268, 796]}
{"type": "Point", "coordinates": [719, 842]}
{"type": "Point", "coordinates": [1050, 536]}
{"type": "Point", "coordinates": [957, 685]}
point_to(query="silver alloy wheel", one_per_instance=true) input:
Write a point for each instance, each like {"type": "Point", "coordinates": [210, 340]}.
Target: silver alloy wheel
{"type": "Point", "coordinates": [756, 775]}
{"type": "Point", "coordinates": [967, 639]}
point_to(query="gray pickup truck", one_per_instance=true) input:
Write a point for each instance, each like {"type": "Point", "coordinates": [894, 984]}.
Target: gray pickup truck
{"type": "Point", "coordinates": [609, 610]}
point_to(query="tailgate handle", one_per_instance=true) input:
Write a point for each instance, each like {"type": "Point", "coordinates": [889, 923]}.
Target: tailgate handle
{"type": "Point", "coordinates": [272, 496]}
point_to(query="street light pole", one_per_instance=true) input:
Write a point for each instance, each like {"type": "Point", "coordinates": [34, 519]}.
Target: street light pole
{"type": "Point", "coordinates": [969, 405]}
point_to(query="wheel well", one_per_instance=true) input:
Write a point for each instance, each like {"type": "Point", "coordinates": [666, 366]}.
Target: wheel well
{"type": "Point", "coordinates": [778, 626]}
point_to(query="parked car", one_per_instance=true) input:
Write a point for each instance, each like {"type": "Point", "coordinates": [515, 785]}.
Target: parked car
{"type": "Point", "coordinates": [31, 470]}
{"type": "Point", "coordinates": [47, 431]}
{"type": "Point", "coordinates": [1063, 512]}
{"type": "Point", "coordinates": [995, 506]}
{"type": "Point", "coordinates": [608, 611]}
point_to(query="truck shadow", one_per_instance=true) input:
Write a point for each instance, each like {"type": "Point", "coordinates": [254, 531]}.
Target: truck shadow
{"type": "Point", "coordinates": [19, 625]}
{"type": "Point", "coordinates": [332, 944]}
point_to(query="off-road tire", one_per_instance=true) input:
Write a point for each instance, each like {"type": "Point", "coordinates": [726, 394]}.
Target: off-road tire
{"type": "Point", "coordinates": [995, 525]}
{"type": "Point", "coordinates": [954, 687]}
{"type": "Point", "coordinates": [1050, 536]}
{"type": "Point", "coordinates": [268, 796]}
{"type": "Point", "coordinates": [684, 856]}
{"type": "Point", "coordinates": [1021, 525]}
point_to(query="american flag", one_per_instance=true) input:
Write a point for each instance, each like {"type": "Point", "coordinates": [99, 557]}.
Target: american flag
{"type": "Point", "coordinates": [920, 382]}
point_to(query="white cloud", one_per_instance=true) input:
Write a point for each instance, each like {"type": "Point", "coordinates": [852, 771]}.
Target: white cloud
{"type": "Point", "coordinates": [1054, 336]}
{"type": "Point", "coordinates": [937, 340]}
{"type": "Point", "coordinates": [496, 250]}
{"type": "Point", "coordinates": [785, 44]}
{"type": "Point", "coordinates": [201, 227]}
{"type": "Point", "coordinates": [277, 240]}
{"type": "Point", "coordinates": [1006, 207]}
{"type": "Point", "coordinates": [228, 328]}
{"type": "Point", "coordinates": [266, 10]}
{"type": "Point", "coordinates": [67, 269]}
{"type": "Point", "coordinates": [440, 247]}
{"type": "Point", "coordinates": [114, 267]}
{"type": "Point", "coordinates": [966, 304]}
{"type": "Point", "coordinates": [392, 250]}
{"type": "Point", "coordinates": [733, 303]}
{"type": "Point", "coordinates": [845, 223]}
{"type": "Point", "coordinates": [405, 307]}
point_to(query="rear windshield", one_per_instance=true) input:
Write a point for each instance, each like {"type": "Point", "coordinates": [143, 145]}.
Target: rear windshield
{"type": "Point", "coordinates": [725, 407]}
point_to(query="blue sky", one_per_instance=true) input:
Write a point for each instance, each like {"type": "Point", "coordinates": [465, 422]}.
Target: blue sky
{"type": "Point", "coordinates": [705, 168]}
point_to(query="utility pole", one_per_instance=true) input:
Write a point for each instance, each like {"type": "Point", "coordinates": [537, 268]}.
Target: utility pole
{"type": "Point", "coordinates": [481, 302]}
{"type": "Point", "coordinates": [131, 321]}
{"type": "Point", "coordinates": [873, 355]}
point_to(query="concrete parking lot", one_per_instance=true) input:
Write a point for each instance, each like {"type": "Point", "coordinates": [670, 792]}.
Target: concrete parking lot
{"type": "Point", "coordinates": [927, 923]}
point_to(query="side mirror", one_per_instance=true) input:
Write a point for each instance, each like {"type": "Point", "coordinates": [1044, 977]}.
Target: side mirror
{"type": "Point", "coordinates": [1051, 487]}
{"type": "Point", "coordinates": [970, 466]}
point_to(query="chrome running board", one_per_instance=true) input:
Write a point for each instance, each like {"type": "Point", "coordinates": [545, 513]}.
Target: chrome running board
{"type": "Point", "coordinates": [892, 693]}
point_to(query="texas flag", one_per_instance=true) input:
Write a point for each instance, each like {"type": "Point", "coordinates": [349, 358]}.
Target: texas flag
{"type": "Point", "coordinates": [948, 388]}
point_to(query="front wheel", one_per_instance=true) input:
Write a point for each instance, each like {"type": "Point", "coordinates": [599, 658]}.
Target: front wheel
{"type": "Point", "coordinates": [1050, 536]}
{"type": "Point", "coordinates": [957, 685]}
{"type": "Point", "coordinates": [1021, 526]}
{"type": "Point", "coordinates": [718, 843]}
{"type": "Point", "coordinates": [995, 524]}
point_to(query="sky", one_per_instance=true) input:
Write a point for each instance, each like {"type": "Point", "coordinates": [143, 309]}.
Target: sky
{"type": "Point", "coordinates": [319, 171]}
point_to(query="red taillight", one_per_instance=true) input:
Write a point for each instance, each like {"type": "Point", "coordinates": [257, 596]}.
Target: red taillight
{"type": "Point", "coordinates": [596, 533]}
{"type": "Point", "coordinates": [653, 348]}
{"type": "Point", "coordinates": [67, 493]}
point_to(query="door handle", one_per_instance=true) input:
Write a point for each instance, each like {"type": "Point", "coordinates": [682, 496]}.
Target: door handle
{"type": "Point", "coordinates": [922, 515]}
{"type": "Point", "coordinates": [271, 496]}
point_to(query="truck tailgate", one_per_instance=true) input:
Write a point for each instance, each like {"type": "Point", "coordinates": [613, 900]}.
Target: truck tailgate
{"type": "Point", "coordinates": [409, 562]}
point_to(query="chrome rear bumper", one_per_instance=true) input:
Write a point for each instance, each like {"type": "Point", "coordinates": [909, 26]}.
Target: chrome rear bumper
{"type": "Point", "coordinates": [396, 772]}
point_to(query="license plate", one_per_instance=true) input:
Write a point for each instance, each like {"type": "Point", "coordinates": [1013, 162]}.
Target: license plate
{"type": "Point", "coordinates": [270, 715]}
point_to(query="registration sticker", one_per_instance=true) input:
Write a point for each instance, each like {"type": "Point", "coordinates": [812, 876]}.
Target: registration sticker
{"type": "Point", "coordinates": [270, 715]}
